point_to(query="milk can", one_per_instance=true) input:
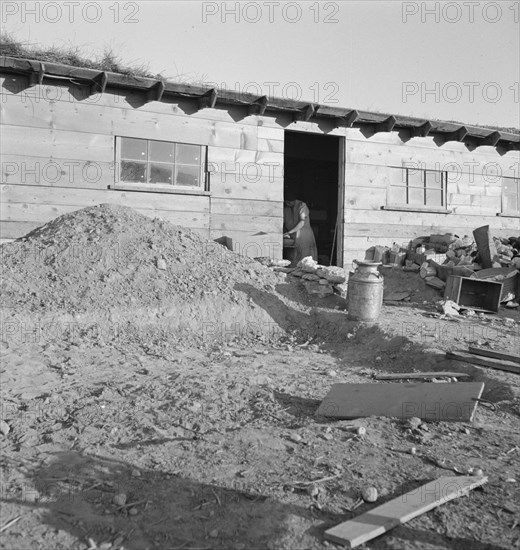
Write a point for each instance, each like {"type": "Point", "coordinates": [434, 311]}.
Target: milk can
{"type": "Point", "coordinates": [365, 292]}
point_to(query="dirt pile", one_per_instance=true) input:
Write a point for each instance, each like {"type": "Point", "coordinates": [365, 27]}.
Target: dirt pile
{"type": "Point", "coordinates": [114, 266]}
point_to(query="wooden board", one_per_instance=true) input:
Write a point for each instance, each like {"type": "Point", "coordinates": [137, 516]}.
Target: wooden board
{"type": "Point", "coordinates": [252, 244]}
{"type": "Point", "coordinates": [494, 354]}
{"type": "Point", "coordinates": [405, 507]}
{"type": "Point", "coordinates": [428, 155]}
{"type": "Point", "coordinates": [485, 245]}
{"type": "Point", "coordinates": [508, 366]}
{"type": "Point", "coordinates": [244, 207]}
{"type": "Point", "coordinates": [48, 144]}
{"type": "Point", "coordinates": [43, 213]}
{"type": "Point", "coordinates": [95, 119]}
{"type": "Point", "coordinates": [34, 194]}
{"type": "Point", "coordinates": [403, 375]}
{"type": "Point", "coordinates": [450, 402]}
{"type": "Point", "coordinates": [56, 172]}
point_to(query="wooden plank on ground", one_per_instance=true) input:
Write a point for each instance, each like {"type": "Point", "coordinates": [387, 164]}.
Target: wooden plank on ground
{"type": "Point", "coordinates": [403, 375]}
{"type": "Point", "coordinates": [495, 354]}
{"type": "Point", "coordinates": [454, 402]}
{"type": "Point", "coordinates": [508, 366]}
{"type": "Point", "coordinates": [405, 507]}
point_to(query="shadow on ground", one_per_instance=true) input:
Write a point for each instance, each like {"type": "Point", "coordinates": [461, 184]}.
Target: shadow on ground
{"type": "Point", "coordinates": [77, 492]}
{"type": "Point", "coordinates": [77, 496]}
{"type": "Point", "coordinates": [358, 344]}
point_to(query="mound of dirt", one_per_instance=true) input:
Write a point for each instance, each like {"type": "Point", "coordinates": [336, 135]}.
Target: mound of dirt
{"type": "Point", "coordinates": [114, 267]}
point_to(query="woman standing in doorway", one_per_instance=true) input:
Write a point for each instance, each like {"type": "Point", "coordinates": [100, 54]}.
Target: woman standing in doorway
{"type": "Point", "coordinates": [297, 225]}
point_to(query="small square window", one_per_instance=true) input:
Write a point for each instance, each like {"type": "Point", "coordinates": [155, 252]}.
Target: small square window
{"type": "Point", "coordinates": [160, 173]}
{"type": "Point", "coordinates": [434, 179]}
{"type": "Point", "coordinates": [135, 149]}
{"type": "Point", "coordinates": [188, 154]}
{"type": "Point", "coordinates": [133, 171]}
{"type": "Point", "coordinates": [415, 177]}
{"type": "Point", "coordinates": [161, 151]}
{"type": "Point", "coordinates": [161, 163]}
{"type": "Point", "coordinates": [511, 196]}
{"type": "Point", "coordinates": [421, 188]}
{"type": "Point", "coordinates": [187, 175]}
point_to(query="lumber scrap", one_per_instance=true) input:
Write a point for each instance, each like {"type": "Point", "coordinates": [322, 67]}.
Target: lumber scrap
{"type": "Point", "coordinates": [494, 354]}
{"type": "Point", "coordinates": [407, 506]}
{"type": "Point", "coordinates": [498, 364]}
{"type": "Point", "coordinates": [455, 402]}
{"type": "Point", "coordinates": [485, 245]}
{"type": "Point", "coordinates": [410, 375]}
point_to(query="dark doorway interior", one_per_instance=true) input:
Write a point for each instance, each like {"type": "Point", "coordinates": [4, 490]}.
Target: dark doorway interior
{"type": "Point", "coordinates": [311, 168]}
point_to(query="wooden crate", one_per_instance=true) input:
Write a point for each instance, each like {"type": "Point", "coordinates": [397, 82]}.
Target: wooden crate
{"type": "Point", "coordinates": [509, 284]}
{"type": "Point", "coordinates": [477, 294]}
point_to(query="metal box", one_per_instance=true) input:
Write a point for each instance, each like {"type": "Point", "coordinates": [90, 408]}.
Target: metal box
{"type": "Point", "coordinates": [477, 294]}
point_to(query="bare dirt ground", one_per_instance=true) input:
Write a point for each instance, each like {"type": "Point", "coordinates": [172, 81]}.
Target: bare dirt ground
{"type": "Point", "coordinates": [134, 439]}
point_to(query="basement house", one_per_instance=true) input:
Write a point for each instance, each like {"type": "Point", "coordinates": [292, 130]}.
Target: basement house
{"type": "Point", "coordinates": [217, 161]}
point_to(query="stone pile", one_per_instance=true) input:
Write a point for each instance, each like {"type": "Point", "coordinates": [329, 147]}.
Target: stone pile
{"type": "Point", "coordinates": [320, 280]}
{"type": "Point", "coordinates": [436, 257]}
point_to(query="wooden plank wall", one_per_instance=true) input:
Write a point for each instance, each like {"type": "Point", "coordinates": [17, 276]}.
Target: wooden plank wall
{"type": "Point", "coordinates": [474, 193]}
{"type": "Point", "coordinates": [58, 155]}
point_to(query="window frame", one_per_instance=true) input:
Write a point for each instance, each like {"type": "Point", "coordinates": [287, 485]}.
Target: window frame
{"type": "Point", "coordinates": [407, 206]}
{"type": "Point", "coordinates": [503, 211]}
{"type": "Point", "coordinates": [202, 189]}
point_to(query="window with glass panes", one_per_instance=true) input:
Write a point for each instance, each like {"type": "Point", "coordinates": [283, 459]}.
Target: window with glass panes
{"type": "Point", "coordinates": [418, 187]}
{"type": "Point", "coordinates": [511, 196]}
{"type": "Point", "coordinates": [159, 163]}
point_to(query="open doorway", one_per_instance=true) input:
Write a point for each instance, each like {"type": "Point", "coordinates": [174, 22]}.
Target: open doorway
{"type": "Point", "coordinates": [311, 172]}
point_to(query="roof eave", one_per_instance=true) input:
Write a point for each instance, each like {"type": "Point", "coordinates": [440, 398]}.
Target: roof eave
{"type": "Point", "coordinates": [155, 90]}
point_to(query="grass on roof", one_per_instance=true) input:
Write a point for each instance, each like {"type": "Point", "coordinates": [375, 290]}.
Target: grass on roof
{"type": "Point", "coordinates": [107, 61]}
{"type": "Point", "coordinates": [71, 55]}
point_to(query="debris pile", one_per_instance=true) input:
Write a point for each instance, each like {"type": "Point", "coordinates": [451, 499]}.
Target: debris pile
{"type": "Point", "coordinates": [320, 280]}
{"type": "Point", "coordinates": [110, 265]}
{"type": "Point", "coordinates": [439, 258]}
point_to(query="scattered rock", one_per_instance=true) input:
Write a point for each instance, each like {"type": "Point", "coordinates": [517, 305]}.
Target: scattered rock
{"type": "Point", "coordinates": [296, 438]}
{"type": "Point", "coordinates": [4, 427]}
{"type": "Point", "coordinates": [120, 499]}
{"type": "Point", "coordinates": [414, 422]}
{"type": "Point", "coordinates": [161, 264]}
{"type": "Point", "coordinates": [30, 495]}
{"type": "Point", "coordinates": [313, 490]}
{"type": "Point", "coordinates": [369, 494]}
{"type": "Point", "coordinates": [449, 307]}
